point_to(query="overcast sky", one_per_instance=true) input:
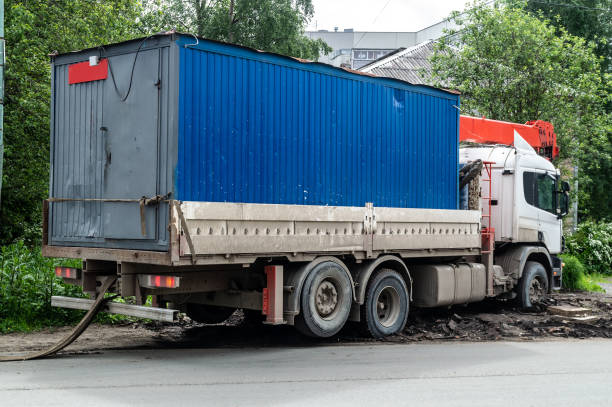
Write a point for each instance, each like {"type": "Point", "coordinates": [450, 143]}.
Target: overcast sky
{"type": "Point", "coordinates": [381, 15]}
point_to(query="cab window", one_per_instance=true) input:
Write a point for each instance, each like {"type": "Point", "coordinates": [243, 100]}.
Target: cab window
{"type": "Point", "coordinates": [540, 190]}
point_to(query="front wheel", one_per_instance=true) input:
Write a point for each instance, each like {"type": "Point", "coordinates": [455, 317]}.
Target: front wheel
{"type": "Point", "coordinates": [533, 286]}
{"type": "Point", "coordinates": [385, 310]}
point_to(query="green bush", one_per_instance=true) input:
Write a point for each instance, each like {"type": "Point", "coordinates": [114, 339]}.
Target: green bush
{"type": "Point", "coordinates": [27, 282]}
{"type": "Point", "coordinates": [592, 245]}
{"type": "Point", "coordinates": [574, 276]}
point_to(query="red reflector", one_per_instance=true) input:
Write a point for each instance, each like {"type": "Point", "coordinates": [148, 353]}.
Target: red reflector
{"type": "Point", "coordinates": [83, 72]}
{"type": "Point", "coordinates": [66, 272]}
{"type": "Point", "coordinates": [266, 301]}
{"type": "Point", "coordinates": [153, 281]}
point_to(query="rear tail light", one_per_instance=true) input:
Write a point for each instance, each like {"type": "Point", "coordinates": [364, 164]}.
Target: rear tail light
{"type": "Point", "coordinates": [159, 281]}
{"type": "Point", "coordinates": [68, 272]}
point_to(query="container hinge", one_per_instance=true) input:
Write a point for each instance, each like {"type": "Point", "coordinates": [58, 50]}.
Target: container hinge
{"type": "Point", "coordinates": [144, 201]}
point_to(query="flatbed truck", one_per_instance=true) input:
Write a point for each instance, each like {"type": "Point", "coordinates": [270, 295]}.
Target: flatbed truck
{"type": "Point", "coordinates": [214, 193]}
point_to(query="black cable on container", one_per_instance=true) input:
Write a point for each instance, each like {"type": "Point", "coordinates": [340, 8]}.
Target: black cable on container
{"type": "Point", "coordinates": [110, 67]}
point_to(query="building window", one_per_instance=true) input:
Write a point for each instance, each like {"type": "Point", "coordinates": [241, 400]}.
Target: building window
{"type": "Point", "coordinates": [363, 57]}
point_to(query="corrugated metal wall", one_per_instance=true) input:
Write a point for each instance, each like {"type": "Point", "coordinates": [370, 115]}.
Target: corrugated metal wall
{"type": "Point", "coordinates": [106, 148]}
{"type": "Point", "coordinates": [76, 157]}
{"type": "Point", "coordinates": [261, 128]}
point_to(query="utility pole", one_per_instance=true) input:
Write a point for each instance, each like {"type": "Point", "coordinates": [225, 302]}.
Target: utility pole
{"type": "Point", "coordinates": [2, 62]}
{"type": "Point", "coordinates": [575, 203]}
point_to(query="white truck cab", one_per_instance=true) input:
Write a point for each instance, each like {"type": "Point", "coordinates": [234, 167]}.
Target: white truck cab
{"type": "Point", "coordinates": [528, 202]}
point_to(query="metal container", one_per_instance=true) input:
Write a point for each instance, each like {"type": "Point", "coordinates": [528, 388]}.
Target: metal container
{"type": "Point", "coordinates": [206, 121]}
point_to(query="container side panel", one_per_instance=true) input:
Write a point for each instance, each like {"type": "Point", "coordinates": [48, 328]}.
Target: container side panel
{"type": "Point", "coordinates": [259, 131]}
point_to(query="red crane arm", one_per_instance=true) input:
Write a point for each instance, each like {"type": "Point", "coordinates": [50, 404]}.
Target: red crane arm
{"type": "Point", "coordinates": [538, 133]}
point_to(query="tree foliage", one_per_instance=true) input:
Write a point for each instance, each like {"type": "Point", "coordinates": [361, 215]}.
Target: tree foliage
{"type": "Point", "coordinates": [33, 29]}
{"type": "Point", "coordinates": [511, 65]}
{"type": "Point", "coordinates": [268, 25]}
{"type": "Point", "coordinates": [589, 19]}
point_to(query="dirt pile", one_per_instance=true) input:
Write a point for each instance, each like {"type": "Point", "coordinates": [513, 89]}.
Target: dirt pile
{"type": "Point", "coordinates": [495, 320]}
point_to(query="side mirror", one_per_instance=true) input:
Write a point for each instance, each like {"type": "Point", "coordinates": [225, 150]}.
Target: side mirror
{"type": "Point", "coordinates": [563, 204]}
{"type": "Point", "coordinates": [565, 186]}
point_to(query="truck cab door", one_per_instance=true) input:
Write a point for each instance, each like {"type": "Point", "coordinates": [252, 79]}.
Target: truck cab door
{"type": "Point", "coordinates": [528, 219]}
{"type": "Point", "coordinates": [549, 225]}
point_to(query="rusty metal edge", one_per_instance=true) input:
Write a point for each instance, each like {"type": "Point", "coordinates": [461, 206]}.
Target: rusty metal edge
{"type": "Point", "coordinates": [96, 253]}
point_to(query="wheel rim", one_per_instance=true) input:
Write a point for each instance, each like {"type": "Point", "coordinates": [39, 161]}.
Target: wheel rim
{"type": "Point", "coordinates": [387, 306]}
{"type": "Point", "coordinates": [326, 299]}
{"type": "Point", "coordinates": [537, 290]}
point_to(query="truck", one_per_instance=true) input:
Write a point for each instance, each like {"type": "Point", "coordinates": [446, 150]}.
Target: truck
{"type": "Point", "coordinates": [214, 177]}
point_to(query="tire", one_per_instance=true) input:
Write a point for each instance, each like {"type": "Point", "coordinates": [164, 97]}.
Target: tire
{"type": "Point", "coordinates": [386, 305]}
{"type": "Point", "coordinates": [326, 299]}
{"type": "Point", "coordinates": [533, 286]}
{"type": "Point", "coordinates": [208, 314]}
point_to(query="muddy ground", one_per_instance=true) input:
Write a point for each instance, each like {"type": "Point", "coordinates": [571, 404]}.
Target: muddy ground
{"type": "Point", "coordinates": [486, 321]}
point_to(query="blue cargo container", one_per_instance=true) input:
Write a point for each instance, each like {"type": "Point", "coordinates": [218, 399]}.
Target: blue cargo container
{"type": "Point", "coordinates": [206, 121]}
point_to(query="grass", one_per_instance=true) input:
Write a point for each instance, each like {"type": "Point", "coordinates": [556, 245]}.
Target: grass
{"type": "Point", "coordinates": [27, 282]}
{"type": "Point", "coordinates": [575, 276]}
{"type": "Point", "coordinates": [597, 278]}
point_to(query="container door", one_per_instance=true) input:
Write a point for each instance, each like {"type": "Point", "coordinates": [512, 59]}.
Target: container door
{"type": "Point", "coordinates": [130, 128]}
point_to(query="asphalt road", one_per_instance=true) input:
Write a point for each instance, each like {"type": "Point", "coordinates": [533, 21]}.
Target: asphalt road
{"type": "Point", "coordinates": [560, 373]}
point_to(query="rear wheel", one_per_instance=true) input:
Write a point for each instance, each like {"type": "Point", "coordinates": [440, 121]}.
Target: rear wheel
{"type": "Point", "coordinates": [325, 301]}
{"type": "Point", "coordinates": [533, 286]}
{"type": "Point", "coordinates": [208, 314]}
{"type": "Point", "coordinates": [385, 310]}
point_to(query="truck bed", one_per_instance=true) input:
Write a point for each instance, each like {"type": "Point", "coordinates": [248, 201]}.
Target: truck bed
{"type": "Point", "coordinates": [232, 233]}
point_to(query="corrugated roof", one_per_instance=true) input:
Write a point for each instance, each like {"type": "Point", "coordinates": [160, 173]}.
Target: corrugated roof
{"type": "Point", "coordinates": [410, 65]}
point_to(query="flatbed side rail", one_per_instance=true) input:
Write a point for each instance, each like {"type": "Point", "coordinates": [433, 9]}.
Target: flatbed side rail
{"type": "Point", "coordinates": [208, 233]}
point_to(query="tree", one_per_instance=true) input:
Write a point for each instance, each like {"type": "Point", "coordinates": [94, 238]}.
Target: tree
{"type": "Point", "coordinates": [589, 19]}
{"type": "Point", "coordinates": [34, 29]}
{"type": "Point", "coordinates": [270, 25]}
{"type": "Point", "coordinates": [511, 65]}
